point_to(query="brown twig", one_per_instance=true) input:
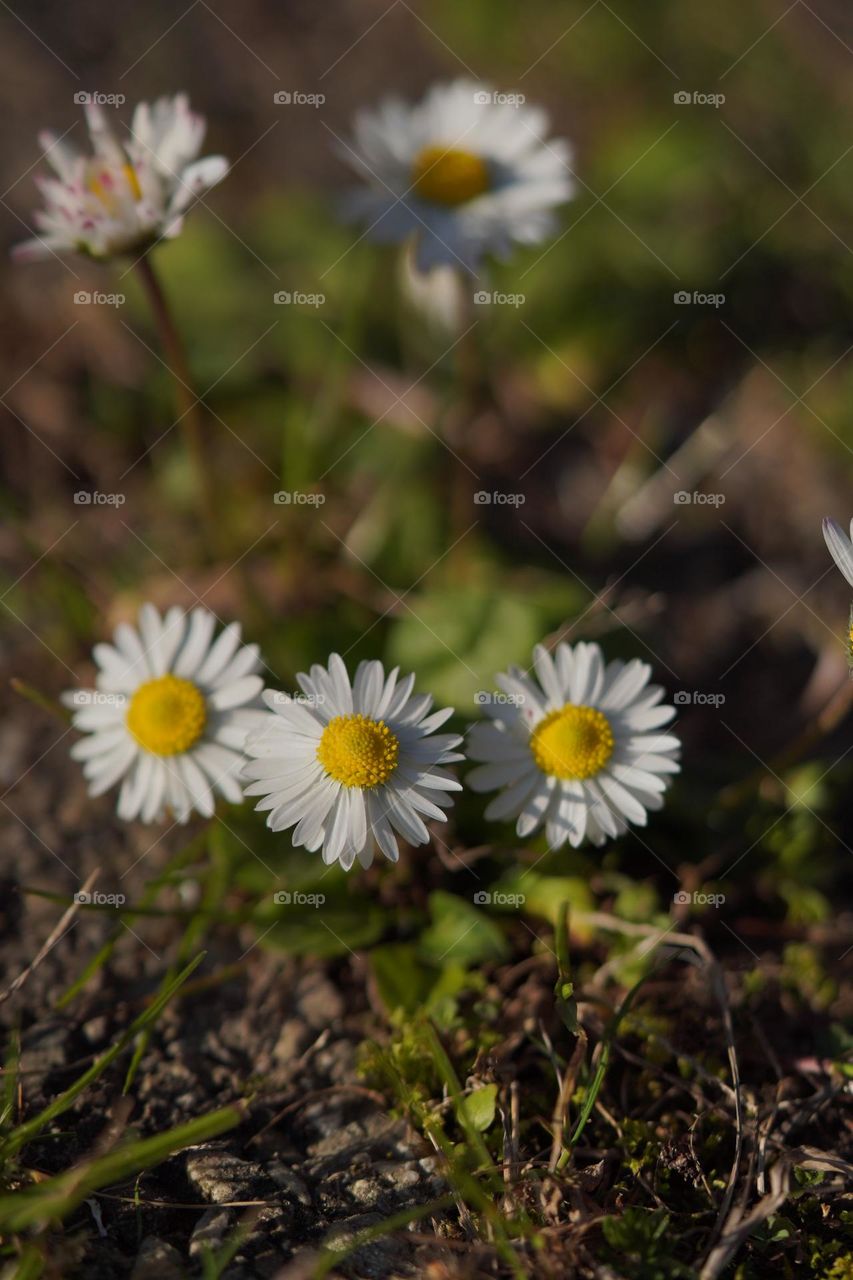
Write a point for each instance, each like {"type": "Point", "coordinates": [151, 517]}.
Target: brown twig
{"type": "Point", "coordinates": [559, 1118]}
{"type": "Point", "coordinates": [56, 933]}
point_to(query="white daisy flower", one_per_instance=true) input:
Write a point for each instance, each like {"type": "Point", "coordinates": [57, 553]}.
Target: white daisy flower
{"type": "Point", "coordinates": [580, 752]}
{"type": "Point", "coordinates": [463, 172]}
{"type": "Point", "coordinates": [350, 764]}
{"type": "Point", "coordinates": [840, 547]}
{"type": "Point", "coordinates": [169, 714]}
{"type": "Point", "coordinates": [126, 195]}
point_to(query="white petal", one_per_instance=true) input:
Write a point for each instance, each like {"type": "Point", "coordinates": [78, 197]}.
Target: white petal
{"type": "Point", "coordinates": [245, 662]}
{"type": "Point", "coordinates": [128, 643]}
{"type": "Point", "coordinates": [103, 774]}
{"type": "Point", "coordinates": [547, 676]}
{"type": "Point", "coordinates": [622, 799]}
{"type": "Point", "coordinates": [236, 694]}
{"type": "Point", "coordinates": [195, 782]}
{"type": "Point", "coordinates": [337, 828]}
{"type": "Point", "coordinates": [510, 802]}
{"type": "Point", "coordinates": [222, 651]}
{"type": "Point", "coordinates": [222, 767]}
{"type": "Point", "coordinates": [628, 682]}
{"type": "Point", "coordinates": [152, 803]}
{"type": "Point", "coordinates": [367, 688]}
{"type": "Point", "coordinates": [533, 812]}
{"type": "Point", "coordinates": [199, 632]}
{"type": "Point", "coordinates": [100, 743]}
{"type": "Point", "coordinates": [840, 547]}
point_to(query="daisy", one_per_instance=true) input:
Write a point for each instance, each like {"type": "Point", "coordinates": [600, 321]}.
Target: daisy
{"type": "Point", "coordinates": [169, 714]}
{"type": "Point", "coordinates": [580, 751]}
{"type": "Point", "coordinates": [125, 196]}
{"type": "Point", "coordinates": [464, 172]}
{"type": "Point", "coordinates": [350, 764]}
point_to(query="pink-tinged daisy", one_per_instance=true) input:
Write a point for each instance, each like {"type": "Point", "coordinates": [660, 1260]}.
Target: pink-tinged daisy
{"type": "Point", "coordinates": [129, 193]}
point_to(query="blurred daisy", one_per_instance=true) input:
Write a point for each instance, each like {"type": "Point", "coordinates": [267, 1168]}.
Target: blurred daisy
{"type": "Point", "coordinates": [840, 547]}
{"type": "Point", "coordinates": [169, 714]}
{"type": "Point", "coordinates": [580, 751]}
{"type": "Point", "coordinates": [467, 172]}
{"type": "Point", "coordinates": [351, 764]}
{"type": "Point", "coordinates": [127, 195]}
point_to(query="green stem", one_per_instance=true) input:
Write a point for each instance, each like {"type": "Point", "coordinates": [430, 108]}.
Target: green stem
{"type": "Point", "coordinates": [189, 406]}
{"type": "Point", "coordinates": [594, 1088]}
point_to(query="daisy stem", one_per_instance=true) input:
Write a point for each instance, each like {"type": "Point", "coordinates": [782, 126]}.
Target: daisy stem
{"type": "Point", "coordinates": [827, 719]}
{"type": "Point", "coordinates": [473, 397]}
{"type": "Point", "coordinates": [188, 403]}
{"type": "Point", "coordinates": [41, 700]}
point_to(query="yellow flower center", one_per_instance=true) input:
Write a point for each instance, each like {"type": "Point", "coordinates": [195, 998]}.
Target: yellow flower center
{"type": "Point", "coordinates": [102, 183]}
{"type": "Point", "coordinates": [444, 175]}
{"type": "Point", "coordinates": [167, 716]}
{"type": "Point", "coordinates": [358, 751]}
{"type": "Point", "coordinates": [574, 742]}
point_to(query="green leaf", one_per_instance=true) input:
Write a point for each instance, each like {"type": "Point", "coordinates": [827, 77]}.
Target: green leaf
{"type": "Point", "coordinates": [480, 1106]}
{"type": "Point", "coordinates": [545, 895]}
{"type": "Point", "coordinates": [461, 933]}
{"type": "Point", "coordinates": [326, 931]}
{"type": "Point", "coordinates": [458, 635]}
{"type": "Point", "coordinates": [404, 982]}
